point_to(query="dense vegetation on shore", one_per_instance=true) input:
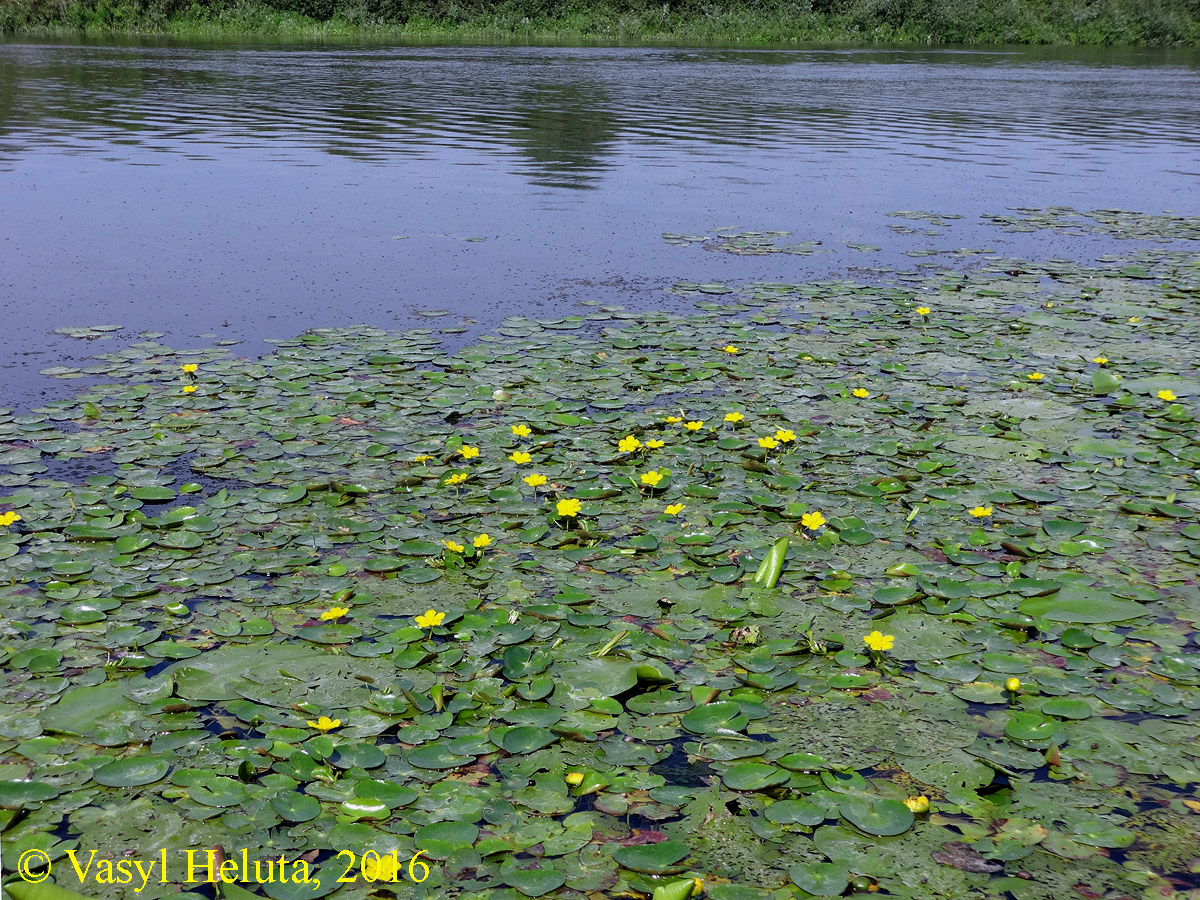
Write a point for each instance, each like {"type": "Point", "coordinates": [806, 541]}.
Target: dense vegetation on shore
{"type": "Point", "coordinates": [1120, 22]}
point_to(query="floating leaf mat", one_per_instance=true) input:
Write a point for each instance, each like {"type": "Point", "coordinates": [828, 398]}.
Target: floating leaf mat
{"type": "Point", "coordinates": [210, 598]}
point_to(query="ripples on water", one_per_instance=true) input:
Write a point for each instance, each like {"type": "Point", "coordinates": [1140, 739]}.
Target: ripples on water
{"type": "Point", "coordinates": [563, 114]}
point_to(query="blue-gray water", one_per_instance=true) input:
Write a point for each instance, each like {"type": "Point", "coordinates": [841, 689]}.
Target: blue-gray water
{"type": "Point", "coordinates": [254, 191]}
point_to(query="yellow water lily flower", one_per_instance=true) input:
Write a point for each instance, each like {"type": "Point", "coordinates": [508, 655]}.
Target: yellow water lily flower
{"type": "Point", "coordinates": [423, 458]}
{"type": "Point", "coordinates": [652, 478]}
{"type": "Point", "coordinates": [457, 478]}
{"type": "Point", "coordinates": [1133, 320]}
{"type": "Point", "coordinates": [385, 868]}
{"type": "Point", "coordinates": [1035, 376]}
{"type": "Point", "coordinates": [628, 444]}
{"type": "Point", "coordinates": [324, 724]}
{"type": "Point", "coordinates": [655, 444]}
{"type": "Point", "coordinates": [918, 804]}
{"type": "Point", "coordinates": [673, 420]}
{"type": "Point", "coordinates": [812, 521]}
{"type": "Point", "coordinates": [535, 480]}
{"type": "Point", "coordinates": [569, 507]}
{"type": "Point", "coordinates": [922, 310]}
{"type": "Point", "coordinates": [430, 619]}
{"type": "Point", "coordinates": [768, 443]}
{"type": "Point", "coordinates": [189, 389]}
{"type": "Point", "coordinates": [521, 430]}
{"type": "Point", "coordinates": [189, 368]}
{"type": "Point", "coordinates": [1012, 685]}
{"type": "Point", "coordinates": [694, 426]}
{"type": "Point", "coordinates": [481, 541]}
{"type": "Point", "coordinates": [1167, 395]}
{"type": "Point", "coordinates": [573, 778]}
{"type": "Point", "coordinates": [334, 613]}
{"type": "Point", "coordinates": [675, 509]}
{"type": "Point", "coordinates": [455, 546]}
{"type": "Point", "coordinates": [8, 518]}
{"type": "Point", "coordinates": [468, 452]}
{"type": "Point", "coordinates": [1099, 360]}
{"type": "Point", "coordinates": [878, 641]}
{"type": "Point", "coordinates": [519, 456]}
{"type": "Point", "coordinates": [729, 348]}
{"type": "Point", "coordinates": [981, 512]}
{"type": "Point", "coordinates": [734, 417]}
{"type": "Point", "coordinates": [785, 435]}
{"type": "Point", "coordinates": [861, 393]}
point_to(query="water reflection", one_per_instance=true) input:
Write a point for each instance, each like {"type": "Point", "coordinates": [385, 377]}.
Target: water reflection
{"type": "Point", "coordinates": [559, 116]}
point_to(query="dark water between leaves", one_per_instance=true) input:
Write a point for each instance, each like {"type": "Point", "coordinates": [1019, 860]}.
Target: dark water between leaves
{"type": "Point", "coordinates": [252, 191]}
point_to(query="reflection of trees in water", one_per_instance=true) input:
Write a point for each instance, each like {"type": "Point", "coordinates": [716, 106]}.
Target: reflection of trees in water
{"type": "Point", "coordinates": [557, 115]}
{"type": "Point", "coordinates": [560, 132]}
{"type": "Point", "coordinates": [564, 130]}
{"type": "Point", "coordinates": [8, 92]}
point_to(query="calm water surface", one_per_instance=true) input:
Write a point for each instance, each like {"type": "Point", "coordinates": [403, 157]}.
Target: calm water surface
{"type": "Point", "coordinates": [254, 191]}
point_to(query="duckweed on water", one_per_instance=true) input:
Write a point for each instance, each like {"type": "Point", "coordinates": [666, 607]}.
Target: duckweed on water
{"type": "Point", "coordinates": [322, 605]}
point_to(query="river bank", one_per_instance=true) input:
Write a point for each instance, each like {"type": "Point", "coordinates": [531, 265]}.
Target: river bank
{"type": "Point", "coordinates": [772, 22]}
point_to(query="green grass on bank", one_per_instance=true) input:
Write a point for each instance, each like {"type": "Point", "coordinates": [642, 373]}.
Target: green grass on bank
{"type": "Point", "coordinates": [1112, 22]}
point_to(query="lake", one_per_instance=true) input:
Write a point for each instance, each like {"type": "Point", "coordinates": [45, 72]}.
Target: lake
{"type": "Point", "coordinates": [253, 191]}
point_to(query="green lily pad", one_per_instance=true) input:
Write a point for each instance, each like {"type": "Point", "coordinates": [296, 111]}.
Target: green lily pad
{"type": "Point", "coordinates": [654, 859]}
{"type": "Point", "coordinates": [820, 879]}
{"type": "Point", "coordinates": [877, 815]}
{"type": "Point", "coordinates": [132, 772]}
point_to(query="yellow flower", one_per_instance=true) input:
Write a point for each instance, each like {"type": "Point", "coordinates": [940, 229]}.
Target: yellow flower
{"type": "Point", "coordinates": [455, 546]}
{"type": "Point", "coordinates": [457, 478]}
{"type": "Point", "coordinates": [730, 348]}
{"type": "Point", "coordinates": [694, 426]}
{"type": "Point", "coordinates": [535, 480]}
{"type": "Point", "coordinates": [981, 512]}
{"type": "Point", "coordinates": [430, 619]}
{"type": "Point", "coordinates": [1012, 685]}
{"type": "Point", "coordinates": [922, 310]}
{"type": "Point", "coordinates": [655, 444]}
{"type": "Point", "coordinates": [482, 541]}
{"type": "Point", "coordinates": [424, 457]}
{"type": "Point", "coordinates": [919, 804]}
{"type": "Point", "coordinates": [190, 368]}
{"type": "Point", "coordinates": [385, 868]}
{"type": "Point", "coordinates": [697, 887]}
{"type": "Point", "coordinates": [673, 420]}
{"type": "Point", "coordinates": [652, 478]}
{"type": "Point", "coordinates": [734, 417]}
{"type": "Point", "coordinates": [521, 430]}
{"type": "Point", "coordinates": [569, 507]}
{"type": "Point", "coordinates": [8, 518]}
{"type": "Point", "coordinates": [469, 452]}
{"type": "Point", "coordinates": [324, 724]}
{"type": "Point", "coordinates": [1035, 376]}
{"type": "Point", "coordinates": [574, 778]}
{"type": "Point", "coordinates": [768, 442]}
{"type": "Point", "coordinates": [628, 444]}
{"type": "Point", "coordinates": [1100, 360]}
{"type": "Point", "coordinates": [812, 521]}
{"type": "Point", "coordinates": [519, 456]}
{"type": "Point", "coordinates": [675, 509]}
{"type": "Point", "coordinates": [189, 389]}
{"type": "Point", "coordinates": [1133, 320]}
{"type": "Point", "coordinates": [1167, 395]}
{"type": "Point", "coordinates": [878, 641]}
{"type": "Point", "coordinates": [861, 393]}
{"type": "Point", "coordinates": [784, 435]}
{"type": "Point", "coordinates": [334, 613]}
